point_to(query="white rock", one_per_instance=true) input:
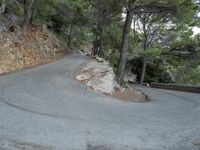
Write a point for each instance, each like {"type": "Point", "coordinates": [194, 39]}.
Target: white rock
{"type": "Point", "coordinates": [98, 76]}
{"type": "Point", "coordinates": [130, 78]}
{"type": "Point", "coordinates": [84, 76]}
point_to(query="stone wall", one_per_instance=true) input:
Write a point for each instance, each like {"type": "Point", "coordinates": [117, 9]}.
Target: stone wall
{"type": "Point", "coordinates": [185, 88]}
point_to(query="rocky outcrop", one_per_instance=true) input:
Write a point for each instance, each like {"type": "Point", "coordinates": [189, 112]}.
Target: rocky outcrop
{"type": "Point", "coordinates": [98, 76]}
{"type": "Point", "coordinates": [130, 78]}
{"type": "Point", "coordinates": [26, 48]}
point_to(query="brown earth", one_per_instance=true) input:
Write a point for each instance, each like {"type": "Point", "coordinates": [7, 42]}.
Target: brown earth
{"type": "Point", "coordinates": [131, 95]}
{"type": "Point", "coordinates": [28, 47]}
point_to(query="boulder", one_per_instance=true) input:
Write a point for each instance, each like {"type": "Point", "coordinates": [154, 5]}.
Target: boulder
{"type": "Point", "coordinates": [99, 76]}
{"type": "Point", "coordinates": [131, 78]}
{"type": "Point", "coordinates": [101, 60]}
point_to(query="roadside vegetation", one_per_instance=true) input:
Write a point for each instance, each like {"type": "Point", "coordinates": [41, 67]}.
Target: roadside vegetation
{"type": "Point", "coordinates": [150, 40]}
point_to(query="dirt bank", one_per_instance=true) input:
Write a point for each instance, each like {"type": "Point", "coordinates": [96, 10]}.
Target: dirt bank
{"type": "Point", "coordinates": [28, 47]}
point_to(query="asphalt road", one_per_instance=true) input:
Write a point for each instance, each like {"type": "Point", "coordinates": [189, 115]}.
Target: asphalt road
{"type": "Point", "coordinates": [45, 108]}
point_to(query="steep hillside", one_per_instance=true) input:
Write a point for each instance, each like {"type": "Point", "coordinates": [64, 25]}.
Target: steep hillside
{"type": "Point", "coordinates": [28, 47]}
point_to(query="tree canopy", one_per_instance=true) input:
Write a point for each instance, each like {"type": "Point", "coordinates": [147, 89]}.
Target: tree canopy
{"type": "Point", "coordinates": [152, 39]}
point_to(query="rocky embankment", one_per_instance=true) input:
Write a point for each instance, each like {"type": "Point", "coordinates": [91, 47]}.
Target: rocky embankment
{"type": "Point", "coordinates": [24, 48]}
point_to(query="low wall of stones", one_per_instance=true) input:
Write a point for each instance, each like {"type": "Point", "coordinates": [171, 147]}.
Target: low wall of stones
{"type": "Point", "coordinates": [185, 88]}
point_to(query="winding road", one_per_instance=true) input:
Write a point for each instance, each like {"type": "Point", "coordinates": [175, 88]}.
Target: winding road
{"type": "Point", "coordinates": [45, 108]}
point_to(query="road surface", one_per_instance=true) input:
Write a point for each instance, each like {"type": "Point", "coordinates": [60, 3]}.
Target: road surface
{"type": "Point", "coordinates": [45, 108]}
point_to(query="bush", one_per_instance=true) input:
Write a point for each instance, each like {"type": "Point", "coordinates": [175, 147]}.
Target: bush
{"type": "Point", "coordinates": [156, 70]}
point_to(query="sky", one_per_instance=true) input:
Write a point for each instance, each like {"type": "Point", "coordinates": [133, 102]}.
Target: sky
{"type": "Point", "coordinates": [196, 30]}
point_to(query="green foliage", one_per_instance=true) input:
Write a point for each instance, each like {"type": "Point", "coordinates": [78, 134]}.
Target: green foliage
{"type": "Point", "coordinates": [43, 10]}
{"type": "Point", "coordinates": [173, 52]}
{"type": "Point", "coordinates": [194, 77]}
{"type": "Point", "coordinates": [187, 8]}
{"type": "Point", "coordinates": [114, 60]}
{"type": "Point", "coordinates": [183, 57]}
{"type": "Point", "coordinates": [156, 71]}
{"type": "Point", "coordinates": [81, 39]}
{"type": "Point", "coordinates": [112, 37]}
{"type": "Point", "coordinates": [16, 9]}
{"type": "Point", "coordinates": [188, 75]}
{"type": "Point", "coordinates": [152, 53]}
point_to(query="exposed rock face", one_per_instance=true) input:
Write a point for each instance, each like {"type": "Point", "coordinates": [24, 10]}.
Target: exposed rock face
{"type": "Point", "coordinates": [26, 48]}
{"type": "Point", "coordinates": [99, 76]}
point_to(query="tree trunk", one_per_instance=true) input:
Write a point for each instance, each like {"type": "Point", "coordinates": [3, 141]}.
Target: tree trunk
{"type": "Point", "coordinates": [3, 6]}
{"type": "Point", "coordinates": [101, 21]}
{"type": "Point", "coordinates": [144, 65]}
{"type": "Point", "coordinates": [144, 61]}
{"type": "Point", "coordinates": [70, 35]}
{"type": "Point", "coordinates": [146, 46]}
{"type": "Point", "coordinates": [124, 45]}
{"type": "Point", "coordinates": [97, 45]}
{"type": "Point", "coordinates": [28, 13]}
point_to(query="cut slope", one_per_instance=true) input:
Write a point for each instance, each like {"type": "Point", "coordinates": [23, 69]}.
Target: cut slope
{"type": "Point", "coordinates": [28, 47]}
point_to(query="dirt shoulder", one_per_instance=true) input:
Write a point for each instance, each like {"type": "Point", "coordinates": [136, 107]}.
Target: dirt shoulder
{"type": "Point", "coordinates": [131, 95]}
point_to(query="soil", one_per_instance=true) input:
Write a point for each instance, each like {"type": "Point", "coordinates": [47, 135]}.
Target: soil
{"type": "Point", "coordinates": [28, 47]}
{"type": "Point", "coordinates": [131, 95]}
